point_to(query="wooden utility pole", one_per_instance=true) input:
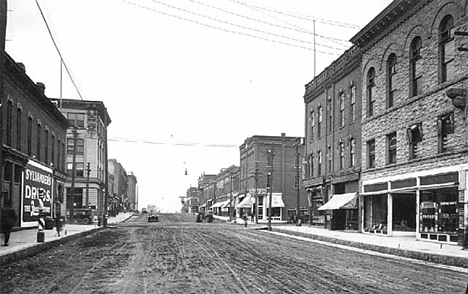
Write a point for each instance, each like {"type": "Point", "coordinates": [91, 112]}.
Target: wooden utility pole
{"type": "Point", "coordinates": [72, 188]}
{"type": "Point", "coordinates": [3, 24]}
{"type": "Point", "coordinates": [297, 180]}
{"type": "Point", "coordinates": [256, 193]}
{"type": "Point", "coordinates": [270, 154]}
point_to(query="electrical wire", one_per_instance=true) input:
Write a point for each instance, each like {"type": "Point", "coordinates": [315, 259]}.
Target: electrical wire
{"type": "Point", "coordinates": [186, 144]}
{"type": "Point", "coordinates": [58, 51]}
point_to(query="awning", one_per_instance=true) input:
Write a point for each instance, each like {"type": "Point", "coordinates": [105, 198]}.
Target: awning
{"type": "Point", "coordinates": [201, 206]}
{"type": "Point", "coordinates": [341, 201]}
{"type": "Point", "coordinates": [217, 204]}
{"type": "Point", "coordinates": [276, 200]}
{"type": "Point", "coordinates": [247, 202]}
{"type": "Point", "coordinates": [226, 204]}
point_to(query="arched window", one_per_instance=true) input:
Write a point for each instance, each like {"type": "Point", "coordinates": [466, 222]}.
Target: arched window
{"type": "Point", "coordinates": [416, 66]}
{"type": "Point", "coordinates": [319, 163]}
{"type": "Point", "coordinates": [352, 151]}
{"type": "Point", "coordinates": [352, 101]}
{"type": "Point", "coordinates": [370, 91]}
{"type": "Point", "coordinates": [342, 148]}
{"type": "Point", "coordinates": [342, 109]}
{"type": "Point", "coordinates": [391, 79]}
{"type": "Point", "coordinates": [446, 49]}
{"type": "Point", "coordinates": [312, 125]}
{"type": "Point", "coordinates": [320, 119]}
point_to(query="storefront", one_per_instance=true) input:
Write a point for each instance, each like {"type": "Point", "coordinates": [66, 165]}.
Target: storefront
{"type": "Point", "coordinates": [344, 213]}
{"type": "Point", "coordinates": [428, 205]}
{"type": "Point", "coordinates": [277, 206]}
{"type": "Point", "coordinates": [316, 200]}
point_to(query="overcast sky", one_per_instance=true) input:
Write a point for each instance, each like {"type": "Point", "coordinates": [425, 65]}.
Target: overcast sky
{"type": "Point", "coordinates": [185, 82]}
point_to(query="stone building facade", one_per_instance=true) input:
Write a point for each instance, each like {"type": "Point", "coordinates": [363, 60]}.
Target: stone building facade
{"type": "Point", "coordinates": [33, 137]}
{"type": "Point", "coordinates": [332, 160]}
{"type": "Point", "coordinates": [132, 194]}
{"type": "Point", "coordinates": [414, 121]}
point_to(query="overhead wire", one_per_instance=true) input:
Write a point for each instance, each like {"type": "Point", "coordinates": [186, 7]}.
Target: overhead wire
{"type": "Point", "coordinates": [58, 50]}
{"type": "Point", "coordinates": [187, 144]}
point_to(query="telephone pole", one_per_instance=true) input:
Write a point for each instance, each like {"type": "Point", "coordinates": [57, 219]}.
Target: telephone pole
{"type": "Point", "coordinates": [298, 201]}
{"type": "Point", "coordinates": [72, 188]}
{"type": "Point", "coordinates": [88, 171]}
{"type": "Point", "coordinates": [256, 193]}
{"type": "Point", "coordinates": [270, 159]}
{"type": "Point", "coordinates": [3, 24]}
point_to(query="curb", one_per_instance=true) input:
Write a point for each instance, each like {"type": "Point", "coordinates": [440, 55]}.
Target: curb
{"type": "Point", "coordinates": [429, 257]}
{"type": "Point", "coordinates": [39, 247]}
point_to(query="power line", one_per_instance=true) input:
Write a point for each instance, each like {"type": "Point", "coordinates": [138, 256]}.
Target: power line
{"type": "Point", "coordinates": [226, 30]}
{"type": "Point", "coordinates": [186, 144]}
{"type": "Point", "coordinates": [58, 51]}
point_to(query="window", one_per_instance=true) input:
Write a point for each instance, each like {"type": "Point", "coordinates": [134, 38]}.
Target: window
{"type": "Point", "coordinates": [341, 155]}
{"type": "Point", "coordinates": [52, 153]}
{"type": "Point", "coordinates": [330, 157]}
{"type": "Point", "coordinates": [342, 102]}
{"type": "Point", "coordinates": [391, 148]}
{"type": "Point", "coordinates": [9, 122]}
{"type": "Point", "coordinates": [445, 126]}
{"type": "Point", "coordinates": [319, 125]}
{"type": "Point", "coordinates": [38, 141]}
{"type": "Point", "coordinates": [352, 98]}
{"type": "Point", "coordinates": [46, 143]}
{"type": "Point", "coordinates": [416, 66]}
{"type": "Point", "coordinates": [79, 146]}
{"type": "Point", "coordinates": [312, 125]}
{"type": "Point", "coordinates": [311, 162]}
{"type": "Point", "coordinates": [76, 119]}
{"type": "Point", "coordinates": [391, 79]}
{"type": "Point", "coordinates": [446, 49]}
{"type": "Point", "coordinates": [330, 115]}
{"type": "Point", "coordinates": [269, 158]}
{"type": "Point", "coordinates": [414, 138]}
{"type": "Point", "coordinates": [352, 151]}
{"type": "Point", "coordinates": [319, 165]}
{"type": "Point", "coordinates": [79, 169]}
{"type": "Point", "coordinates": [268, 178]}
{"type": "Point", "coordinates": [59, 165]}
{"type": "Point", "coordinates": [370, 91]}
{"type": "Point", "coordinates": [371, 154]}
{"type": "Point", "coordinates": [30, 122]}
{"type": "Point", "coordinates": [296, 182]}
{"type": "Point", "coordinates": [18, 128]}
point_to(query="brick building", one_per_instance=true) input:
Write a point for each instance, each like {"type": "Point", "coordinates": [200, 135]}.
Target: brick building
{"type": "Point", "coordinates": [414, 124]}
{"type": "Point", "coordinates": [118, 193]}
{"type": "Point", "coordinates": [333, 143]}
{"type": "Point", "coordinates": [90, 121]}
{"type": "Point", "coordinates": [132, 193]}
{"type": "Point", "coordinates": [227, 189]}
{"type": "Point", "coordinates": [206, 188]}
{"type": "Point", "coordinates": [279, 156]}
{"type": "Point", "coordinates": [33, 137]}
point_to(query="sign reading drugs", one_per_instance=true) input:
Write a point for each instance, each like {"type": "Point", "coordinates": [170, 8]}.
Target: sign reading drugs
{"type": "Point", "coordinates": [37, 193]}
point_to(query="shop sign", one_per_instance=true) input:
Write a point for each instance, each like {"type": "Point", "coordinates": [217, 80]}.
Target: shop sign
{"type": "Point", "coordinates": [37, 192]}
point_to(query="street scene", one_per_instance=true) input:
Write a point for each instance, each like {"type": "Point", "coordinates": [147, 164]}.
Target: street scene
{"type": "Point", "coordinates": [179, 255]}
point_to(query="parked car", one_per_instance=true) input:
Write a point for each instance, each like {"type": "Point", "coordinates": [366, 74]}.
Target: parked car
{"type": "Point", "coordinates": [81, 215]}
{"type": "Point", "coordinates": [153, 218]}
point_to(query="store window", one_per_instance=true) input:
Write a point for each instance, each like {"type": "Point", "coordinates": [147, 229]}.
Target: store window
{"type": "Point", "coordinates": [438, 211]}
{"type": "Point", "coordinates": [375, 214]}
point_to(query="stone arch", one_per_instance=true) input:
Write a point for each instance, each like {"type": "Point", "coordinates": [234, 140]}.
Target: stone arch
{"type": "Point", "coordinates": [450, 8]}
{"type": "Point", "coordinates": [418, 30]}
{"type": "Point", "coordinates": [392, 48]}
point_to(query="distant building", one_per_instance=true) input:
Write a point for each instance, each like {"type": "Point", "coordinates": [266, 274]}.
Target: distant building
{"type": "Point", "coordinates": [132, 193]}
{"type": "Point", "coordinates": [90, 121]}
{"type": "Point", "coordinates": [118, 198]}
{"type": "Point", "coordinates": [227, 190]}
{"type": "Point", "coordinates": [33, 137]}
{"type": "Point", "coordinates": [261, 157]}
{"type": "Point", "coordinates": [207, 192]}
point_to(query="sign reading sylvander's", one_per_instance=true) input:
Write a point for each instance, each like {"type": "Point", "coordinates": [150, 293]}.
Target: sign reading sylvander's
{"type": "Point", "coordinates": [37, 180]}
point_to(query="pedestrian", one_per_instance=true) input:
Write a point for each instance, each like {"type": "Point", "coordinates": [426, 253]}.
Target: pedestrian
{"type": "Point", "coordinates": [8, 220]}
{"type": "Point", "coordinates": [58, 223]}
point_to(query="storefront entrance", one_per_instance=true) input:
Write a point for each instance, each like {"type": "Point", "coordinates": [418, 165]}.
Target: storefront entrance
{"type": "Point", "coordinates": [404, 212]}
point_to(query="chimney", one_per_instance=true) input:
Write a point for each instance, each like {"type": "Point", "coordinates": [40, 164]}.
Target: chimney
{"type": "Point", "coordinates": [22, 66]}
{"type": "Point", "coordinates": [283, 134]}
{"type": "Point", "coordinates": [41, 87]}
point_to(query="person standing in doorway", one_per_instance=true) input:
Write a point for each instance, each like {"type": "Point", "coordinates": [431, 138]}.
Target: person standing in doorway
{"type": "Point", "coordinates": [8, 221]}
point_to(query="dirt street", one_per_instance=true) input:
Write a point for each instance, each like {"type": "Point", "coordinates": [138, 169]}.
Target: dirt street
{"type": "Point", "coordinates": [178, 255]}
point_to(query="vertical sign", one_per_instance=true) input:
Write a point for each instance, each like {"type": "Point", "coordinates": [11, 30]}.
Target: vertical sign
{"type": "Point", "coordinates": [36, 178]}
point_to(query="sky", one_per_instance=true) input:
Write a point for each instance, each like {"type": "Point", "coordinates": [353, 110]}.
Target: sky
{"type": "Point", "coordinates": [185, 82]}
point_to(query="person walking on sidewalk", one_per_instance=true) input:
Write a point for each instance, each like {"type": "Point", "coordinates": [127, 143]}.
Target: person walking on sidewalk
{"type": "Point", "coordinates": [8, 220]}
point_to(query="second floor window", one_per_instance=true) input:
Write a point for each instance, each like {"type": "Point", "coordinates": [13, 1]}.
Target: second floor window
{"type": "Point", "coordinates": [319, 163]}
{"type": "Point", "coordinates": [319, 125]}
{"type": "Point", "coordinates": [414, 138]}
{"type": "Point", "coordinates": [370, 91]}
{"type": "Point", "coordinates": [446, 49]}
{"type": "Point", "coordinates": [19, 113]}
{"type": "Point", "coordinates": [341, 155]}
{"type": "Point", "coordinates": [352, 151]}
{"type": "Point", "coordinates": [445, 127]}
{"type": "Point", "coordinates": [79, 146]}
{"type": "Point", "coordinates": [342, 109]}
{"type": "Point", "coordinates": [371, 154]}
{"type": "Point", "coordinates": [330, 114]}
{"type": "Point", "coordinates": [312, 125]}
{"type": "Point", "coordinates": [38, 142]}
{"type": "Point", "coordinates": [330, 158]}
{"type": "Point", "coordinates": [391, 148]}
{"type": "Point", "coordinates": [9, 122]}
{"type": "Point", "coordinates": [416, 66]}
{"type": "Point", "coordinates": [311, 162]}
{"type": "Point", "coordinates": [46, 145]}
{"type": "Point", "coordinates": [391, 80]}
{"type": "Point", "coordinates": [30, 126]}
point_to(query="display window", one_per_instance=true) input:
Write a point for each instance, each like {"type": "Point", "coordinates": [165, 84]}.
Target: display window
{"type": "Point", "coordinates": [375, 214]}
{"type": "Point", "coordinates": [438, 211]}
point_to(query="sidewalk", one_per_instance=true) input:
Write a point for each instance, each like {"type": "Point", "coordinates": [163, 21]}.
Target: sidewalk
{"type": "Point", "coordinates": [403, 246]}
{"type": "Point", "coordinates": [23, 243]}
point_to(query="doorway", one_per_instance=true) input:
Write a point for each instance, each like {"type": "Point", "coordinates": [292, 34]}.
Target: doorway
{"type": "Point", "coordinates": [404, 212]}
